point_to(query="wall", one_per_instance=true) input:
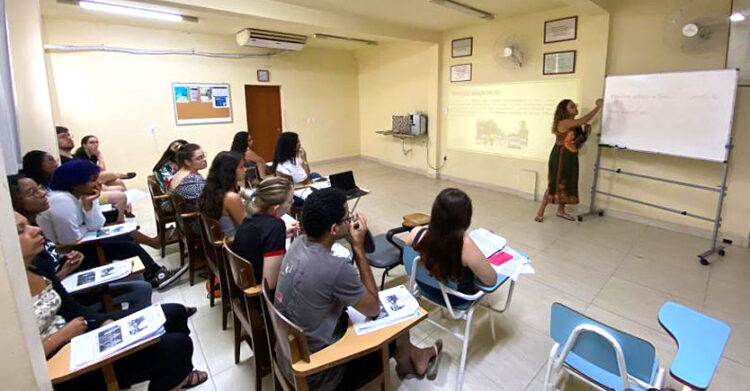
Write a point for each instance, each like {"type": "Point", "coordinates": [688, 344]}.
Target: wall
{"type": "Point", "coordinates": [638, 44]}
{"type": "Point", "coordinates": [119, 96]}
{"type": "Point", "coordinates": [397, 79]}
{"type": "Point", "coordinates": [525, 177]}
{"type": "Point", "coordinates": [34, 112]}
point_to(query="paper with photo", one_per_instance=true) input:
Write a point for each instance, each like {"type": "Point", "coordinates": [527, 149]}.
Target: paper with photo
{"type": "Point", "coordinates": [396, 305]}
{"type": "Point", "coordinates": [96, 345]}
{"type": "Point", "coordinates": [97, 276]}
{"type": "Point", "coordinates": [109, 231]}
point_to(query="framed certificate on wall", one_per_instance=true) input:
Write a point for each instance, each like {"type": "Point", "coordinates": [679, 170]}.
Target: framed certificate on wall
{"type": "Point", "coordinates": [461, 72]}
{"type": "Point", "coordinates": [461, 47]}
{"type": "Point", "coordinates": [559, 63]}
{"type": "Point", "coordinates": [559, 30]}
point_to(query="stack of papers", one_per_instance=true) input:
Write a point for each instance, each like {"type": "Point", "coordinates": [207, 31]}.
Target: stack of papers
{"type": "Point", "coordinates": [396, 305]}
{"type": "Point", "coordinates": [106, 341]}
{"type": "Point", "coordinates": [511, 263]}
{"type": "Point", "coordinates": [109, 231]}
{"type": "Point", "coordinates": [504, 260]}
{"type": "Point", "coordinates": [97, 276]}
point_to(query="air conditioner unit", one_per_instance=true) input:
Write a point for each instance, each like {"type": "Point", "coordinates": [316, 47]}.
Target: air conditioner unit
{"type": "Point", "coordinates": [271, 39]}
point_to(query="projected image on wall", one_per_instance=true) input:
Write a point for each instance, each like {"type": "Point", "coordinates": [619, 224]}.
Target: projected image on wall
{"type": "Point", "coordinates": [512, 119]}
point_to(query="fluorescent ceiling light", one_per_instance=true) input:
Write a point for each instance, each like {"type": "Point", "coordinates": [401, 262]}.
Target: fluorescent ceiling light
{"type": "Point", "coordinates": [129, 10]}
{"type": "Point", "coordinates": [456, 6]}
{"type": "Point", "coordinates": [355, 40]}
{"type": "Point", "coordinates": [737, 17]}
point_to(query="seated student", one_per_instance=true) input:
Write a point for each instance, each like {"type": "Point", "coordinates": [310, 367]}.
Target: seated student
{"type": "Point", "coordinates": [166, 364]}
{"type": "Point", "coordinates": [290, 159]}
{"type": "Point", "coordinates": [446, 250]}
{"type": "Point", "coordinates": [261, 238]}
{"type": "Point", "coordinates": [243, 144]}
{"type": "Point", "coordinates": [166, 167]}
{"type": "Point", "coordinates": [314, 288]}
{"type": "Point", "coordinates": [74, 210]}
{"type": "Point", "coordinates": [187, 182]}
{"type": "Point", "coordinates": [29, 200]}
{"type": "Point", "coordinates": [66, 144]}
{"type": "Point", "coordinates": [89, 150]}
{"type": "Point", "coordinates": [220, 199]}
{"type": "Point", "coordinates": [40, 165]}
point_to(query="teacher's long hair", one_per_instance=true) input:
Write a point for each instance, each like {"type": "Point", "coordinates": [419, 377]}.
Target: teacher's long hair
{"type": "Point", "coordinates": [561, 113]}
{"type": "Point", "coordinates": [441, 246]}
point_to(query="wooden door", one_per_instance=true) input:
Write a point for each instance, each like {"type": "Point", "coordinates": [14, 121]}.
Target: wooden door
{"type": "Point", "coordinates": [263, 108]}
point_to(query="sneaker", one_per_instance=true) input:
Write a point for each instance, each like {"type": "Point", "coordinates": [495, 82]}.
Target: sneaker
{"type": "Point", "coordinates": [164, 277]}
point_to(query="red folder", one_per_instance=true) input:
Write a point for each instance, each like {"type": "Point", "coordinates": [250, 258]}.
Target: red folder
{"type": "Point", "coordinates": [500, 258]}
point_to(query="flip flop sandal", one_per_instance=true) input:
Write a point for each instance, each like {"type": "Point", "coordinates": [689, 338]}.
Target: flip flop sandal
{"type": "Point", "coordinates": [432, 365]}
{"type": "Point", "coordinates": [566, 216]}
{"type": "Point", "coordinates": [194, 379]}
{"type": "Point", "coordinates": [538, 219]}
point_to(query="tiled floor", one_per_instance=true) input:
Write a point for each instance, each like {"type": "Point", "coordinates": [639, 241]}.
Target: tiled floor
{"type": "Point", "coordinates": [616, 271]}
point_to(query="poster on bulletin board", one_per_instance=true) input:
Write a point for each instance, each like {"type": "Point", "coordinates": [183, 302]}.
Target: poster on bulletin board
{"type": "Point", "coordinates": [201, 103]}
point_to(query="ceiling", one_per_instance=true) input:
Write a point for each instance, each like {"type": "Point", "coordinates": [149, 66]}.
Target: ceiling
{"type": "Point", "coordinates": [386, 16]}
{"type": "Point", "coordinates": [426, 15]}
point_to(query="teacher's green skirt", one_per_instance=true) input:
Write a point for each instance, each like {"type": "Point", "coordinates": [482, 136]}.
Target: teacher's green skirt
{"type": "Point", "coordinates": [563, 176]}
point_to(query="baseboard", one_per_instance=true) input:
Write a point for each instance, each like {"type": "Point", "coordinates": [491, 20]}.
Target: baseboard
{"type": "Point", "coordinates": [412, 170]}
{"type": "Point", "coordinates": [336, 160]}
{"type": "Point", "coordinates": [502, 189]}
{"type": "Point", "coordinates": [681, 228]}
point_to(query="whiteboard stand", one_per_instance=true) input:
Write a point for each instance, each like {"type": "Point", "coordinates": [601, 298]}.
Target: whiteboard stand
{"type": "Point", "coordinates": [721, 189]}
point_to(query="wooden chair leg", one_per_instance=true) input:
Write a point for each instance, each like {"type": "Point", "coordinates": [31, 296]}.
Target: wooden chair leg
{"type": "Point", "coordinates": [191, 269]}
{"type": "Point", "coordinates": [211, 290]}
{"type": "Point", "coordinates": [108, 371]}
{"type": "Point", "coordinates": [237, 338]}
{"type": "Point", "coordinates": [162, 238]}
{"type": "Point", "coordinates": [384, 358]}
{"type": "Point", "coordinates": [182, 252]}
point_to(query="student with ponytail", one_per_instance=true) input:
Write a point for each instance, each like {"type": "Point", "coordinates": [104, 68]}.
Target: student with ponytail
{"type": "Point", "coordinates": [261, 238]}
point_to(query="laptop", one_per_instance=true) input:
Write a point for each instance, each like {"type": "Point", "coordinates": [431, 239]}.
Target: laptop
{"type": "Point", "coordinates": [344, 181]}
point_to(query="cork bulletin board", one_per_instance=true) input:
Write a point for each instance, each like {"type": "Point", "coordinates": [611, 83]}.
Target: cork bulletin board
{"type": "Point", "coordinates": [201, 103]}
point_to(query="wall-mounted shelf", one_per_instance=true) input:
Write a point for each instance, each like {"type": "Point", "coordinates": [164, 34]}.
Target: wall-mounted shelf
{"type": "Point", "coordinates": [401, 135]}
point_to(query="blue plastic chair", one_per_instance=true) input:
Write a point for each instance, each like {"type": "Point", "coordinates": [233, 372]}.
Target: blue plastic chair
{"type": "Point", "coordinates": [601, 356]}
{"type": "Point", "coordinates": [464, 310]}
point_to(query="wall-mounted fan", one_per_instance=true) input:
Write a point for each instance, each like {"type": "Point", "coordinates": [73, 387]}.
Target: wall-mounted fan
{"type": "Point", "coordinates": [508, 52]}
{"type": "Point", "coordinates": [691, 30]}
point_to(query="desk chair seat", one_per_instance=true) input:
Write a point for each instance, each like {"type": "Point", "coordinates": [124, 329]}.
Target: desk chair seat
{"type": "Point", "coordinates": [603, 357]}
{"type": "Point", "coordinates": [388, 251]}
{"type": "Point", "coordinates": [422, 284]}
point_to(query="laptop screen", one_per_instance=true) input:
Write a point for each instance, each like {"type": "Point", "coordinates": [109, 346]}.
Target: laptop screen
{"type": "Point", "coordinates": [343, 180]}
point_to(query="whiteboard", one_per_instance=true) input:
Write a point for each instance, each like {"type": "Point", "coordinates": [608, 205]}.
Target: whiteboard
{"type": "Point", "coordinates": [687, 114]}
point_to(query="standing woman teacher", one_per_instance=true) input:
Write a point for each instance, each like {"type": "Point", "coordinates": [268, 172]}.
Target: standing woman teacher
{"type": "Point", "coordinates": [570, 134]}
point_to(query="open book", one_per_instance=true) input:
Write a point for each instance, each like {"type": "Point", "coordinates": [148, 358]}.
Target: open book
{"type": "Point", "coordinates": [97, 276]}
{"type": "Point", "coordinates": [396, 304]}
{"type": "Point", "coordinates": [489, 243]}
{"type": "Point", "coordinates": [109, 232]}
{"type": "Point", "coordinates": [96, 345]}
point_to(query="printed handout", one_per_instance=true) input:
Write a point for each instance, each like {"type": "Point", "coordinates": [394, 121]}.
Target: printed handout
{"type": "Point", "coordinates": [96, 345]}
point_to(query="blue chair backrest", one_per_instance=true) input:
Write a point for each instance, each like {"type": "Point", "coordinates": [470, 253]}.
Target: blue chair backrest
{"type": "Point", "coordinates": [423, 276]}
{"type": "Point", "coordinates": [640, 355]}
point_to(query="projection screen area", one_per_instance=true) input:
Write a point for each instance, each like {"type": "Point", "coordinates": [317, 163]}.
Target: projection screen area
{"type": "Point", "coordinates": [509, 119]}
